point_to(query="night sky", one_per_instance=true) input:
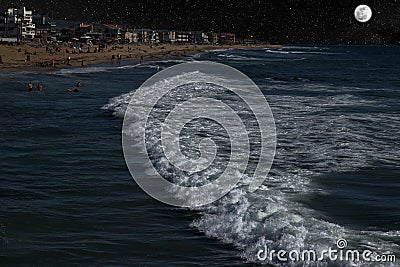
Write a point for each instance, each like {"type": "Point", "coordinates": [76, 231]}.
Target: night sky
{"type": "Point", "coordinates": [312, 21]}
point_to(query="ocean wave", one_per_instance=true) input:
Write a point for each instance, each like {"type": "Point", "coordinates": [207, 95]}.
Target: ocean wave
{"type": "Point", "coordinates": [238, 57]}
{"type": "Point", "coordinates": [288, 52]}
{"type": "Point", "coordinates": [306, 48]}
{"type": "Point", "coordinates": [313, 140]}
{"type": "Point", "coordinates": [154, 64]}
{"type": "Point", "coordinates": [82, 70]}
{"type": "Point", "coordinates": [221, 50]}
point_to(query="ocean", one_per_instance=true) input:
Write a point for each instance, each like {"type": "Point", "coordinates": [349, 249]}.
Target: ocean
{"type": "Point", "coordinates": [67, 197]}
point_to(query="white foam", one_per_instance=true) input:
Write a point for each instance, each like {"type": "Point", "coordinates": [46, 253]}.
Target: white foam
{"type": "Point", "coordinates": [309, 145]}
{"type": "Point", "coordinates": [97, 69]}
{"type": "Point", "coordinates": [239, 57]}
{"type": "Point", "coordinates": [221, 50]}
{"type": "Point", "coordinates": [287, 52]}
{"type": "Point", "coordinates": [82, 70]}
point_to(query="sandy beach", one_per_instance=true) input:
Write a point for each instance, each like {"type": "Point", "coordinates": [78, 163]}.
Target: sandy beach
{"type": "Point", "coordinates": [29, 58]}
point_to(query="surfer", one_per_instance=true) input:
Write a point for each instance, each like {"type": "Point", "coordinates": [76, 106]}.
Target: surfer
{"type": "Point", "coordinates": [79, 84]}
{"type": "Point", "coordinates": [40, 87]}
{"type": "Point", "coordinates": [73, 90]}
{"type": "Point", "coordinates": [30, 86]}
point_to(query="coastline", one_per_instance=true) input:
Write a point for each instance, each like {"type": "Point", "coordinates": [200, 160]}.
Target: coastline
{"type": "Point", "coordinates": [29, 58]}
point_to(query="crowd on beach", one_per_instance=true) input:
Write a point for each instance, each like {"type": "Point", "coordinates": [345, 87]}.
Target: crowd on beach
{"type": "Point", "coordinates": [58, 60]}
{"type": "Point", "coordinates": [63, 55]}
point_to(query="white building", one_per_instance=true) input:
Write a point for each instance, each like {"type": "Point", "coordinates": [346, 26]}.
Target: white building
{"type": "Point", "coordinates": [17, 23]}
{"type": "Point", "coordinates": [172, 36]}
{"type": "Point", "coordinates": [155, 38]}
{"type": "Point", "coordinates": [28, 27]}
{"type": "Point", "coordinates": [131, 37]}
{"type": "Point", "coordinates": [182, 37]}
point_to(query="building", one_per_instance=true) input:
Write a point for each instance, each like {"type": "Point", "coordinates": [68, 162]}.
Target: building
{"type": "Point", "coordinates": [154, 37]}
{"type": "Point", "coordinates": [65, 34]}
{"type": "Point", "coordinates": [83, 29]}
{"type": "Point", "coordinates": [106, 32]}
{"type": "Point", "coordinates": [172, 37]}
{"type": "Point", "coordinates": [182, 37]}
{"type": "Point", "coordinates": [144, 35]}
{"type": "Point", "coordinates": [113, 32]}
{"type": "Point", "coordinates": [28, 27]}
{"type": "Point", "coordinates": [213, 37]}
{"type": "Point", "coordinates": [17, 23]}
{"type": "Point", "coordinates": [45, 29]}
{"type": "Point", "coordinates": [163, 36]}
{"type": "Point", "coordinates": [131, 37]}
{"type": "Point", "coordinates": [221, 38]}
{"type": "Point", "coordinates": [227, 38]}
{"type": "Point", "coordinates": [198, 37]}
{"type": "Point", "coordinates": [8, 25]}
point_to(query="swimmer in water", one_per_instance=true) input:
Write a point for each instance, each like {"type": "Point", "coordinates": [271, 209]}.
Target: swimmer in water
{"type": "Point", "coordinates": [73, 90]}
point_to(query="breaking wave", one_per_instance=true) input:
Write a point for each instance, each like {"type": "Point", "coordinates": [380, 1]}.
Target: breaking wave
{"type": "Point", "coordinates": [321, 132]}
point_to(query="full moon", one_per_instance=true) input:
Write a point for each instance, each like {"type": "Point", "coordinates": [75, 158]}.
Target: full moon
{"type": "Point", "coordinates": [363, 13]}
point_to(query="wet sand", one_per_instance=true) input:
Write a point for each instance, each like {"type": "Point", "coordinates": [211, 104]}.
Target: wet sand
{"type": "Point", "coordinates": [15, 58]}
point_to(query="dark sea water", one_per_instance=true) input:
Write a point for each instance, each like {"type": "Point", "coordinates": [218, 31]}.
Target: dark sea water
{"type": "Point", "coordinates": [67, 197]}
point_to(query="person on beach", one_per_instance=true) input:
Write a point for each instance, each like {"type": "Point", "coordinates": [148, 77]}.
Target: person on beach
{"type": "Point", "coordinates": [1, 60]}
{"type": "Point", "coordinates": [53, 63]}
{"type": "Point", "coordinates": [40, 87]}
{"type": "Point", "coordinates": [69, 60]}
{"type": "Point", "coordinates": [30, 86]}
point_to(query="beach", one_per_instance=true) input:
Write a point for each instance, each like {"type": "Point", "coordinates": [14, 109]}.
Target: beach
{"type": "Point", "coordinates": [31, 58]}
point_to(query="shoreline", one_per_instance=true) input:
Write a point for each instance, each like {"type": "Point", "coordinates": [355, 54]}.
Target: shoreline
{"type": "Point", "coordinates": [29, 58]}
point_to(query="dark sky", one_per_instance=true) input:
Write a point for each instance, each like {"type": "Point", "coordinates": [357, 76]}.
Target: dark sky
{"type": "Point", "coordinates": [285, 21]}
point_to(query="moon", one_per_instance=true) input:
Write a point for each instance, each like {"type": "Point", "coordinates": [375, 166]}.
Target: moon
{"type": "Point", "coordinates": [363, 13]}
